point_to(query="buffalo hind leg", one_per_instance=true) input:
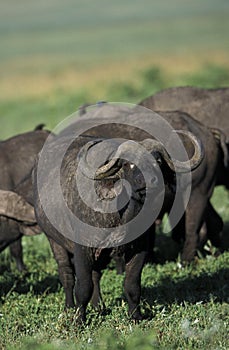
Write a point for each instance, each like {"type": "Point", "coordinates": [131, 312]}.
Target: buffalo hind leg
{"type": "Point", "coordinates": [16, 252]}
{"type": "Point", "coordinates": [214, 225]}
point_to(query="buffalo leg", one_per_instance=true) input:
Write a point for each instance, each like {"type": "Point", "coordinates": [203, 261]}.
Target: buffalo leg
{"type": "Point", "coordinates": [99, 264]}
{"type": "Point", "coordinates": [212, 228]}
{"type": "Point", "coordinates": [132, 284]}
{"type": "Point", "coordinates": [178, 229]}
{"type": "Point", "coordinates": [84, 281]}
{"type": "Point", "coordinates": [194, 218]}
{"type": "Point", "coordinates": [178, 232]}
{"type": "Point", "coordinates": [203, 236]}
{"type": "Point", "coordinates": [66, 271]}
{"type": "Point", "coordinates": [214, 225]}
{"type": "Point", "coordinates": [96, 299]}
{"type": "Point", "coordinates": [16, 252]}
{"type": "Point", "coordinates": [119, 263]}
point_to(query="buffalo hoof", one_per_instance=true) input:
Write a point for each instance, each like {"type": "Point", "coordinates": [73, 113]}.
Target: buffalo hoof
{"type": "Point", "coordinates": [69, 305]}
{"type": "Point", "coordinates": [137, 316]}
{"type": "Point", "coordinates": [21, 267]}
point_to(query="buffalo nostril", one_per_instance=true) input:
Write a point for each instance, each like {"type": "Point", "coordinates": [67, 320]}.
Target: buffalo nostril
{"type": "Point", "coordinates": [139, 181]}
{"type": "Point", "coordinates": [154, 180]}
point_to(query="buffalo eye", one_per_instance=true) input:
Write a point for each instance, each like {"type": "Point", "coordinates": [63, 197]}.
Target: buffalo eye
{"type": "Point", "coordinates": [127, 166]}
{"type": "Point", "coordinates": [159, 160]}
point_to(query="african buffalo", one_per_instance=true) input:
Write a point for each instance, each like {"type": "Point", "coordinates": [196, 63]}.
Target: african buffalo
{"type": "Point", "coordinates": [92, 167]}
{"type": "Point", "coordinates": [17, 156]}
{"type": "Point", "coordinates": [211, 107]}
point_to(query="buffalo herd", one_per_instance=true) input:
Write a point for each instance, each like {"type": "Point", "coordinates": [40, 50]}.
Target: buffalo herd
{"type": "Point", "coordinates": [99, 187]}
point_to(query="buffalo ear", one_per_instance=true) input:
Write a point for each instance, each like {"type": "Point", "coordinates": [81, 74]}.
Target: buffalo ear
{"type": "Point", "coordinates": [220, 138]}
{"type": "Point", "coordinates": [14, 206]}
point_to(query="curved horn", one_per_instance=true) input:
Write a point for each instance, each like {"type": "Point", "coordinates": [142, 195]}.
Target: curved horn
{"type": "Point", "coordinates": [114, 164]}
{"type": "Point", "coordinates": [174, 164]}
{"type": "Point", "coordinates": [82, 159]}
{"type": "Point", "coordinates": [198, 155]}
{"type": "Point", "coordinates": [106, 170]}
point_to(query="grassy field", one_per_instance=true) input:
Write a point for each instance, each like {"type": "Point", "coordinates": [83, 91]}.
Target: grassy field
{"type": "Point", "coordinates": [58, 55]}
{"type": "Point", "coordinates": [187, 307]}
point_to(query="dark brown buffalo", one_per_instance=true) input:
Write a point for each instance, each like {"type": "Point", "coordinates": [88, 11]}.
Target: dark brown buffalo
{"type": "Point", "coordinates": [84, 260]}
{"type": "Point", "coordinates": [211, 107]}
{"type": "Point", "coordinates": [17, 156]}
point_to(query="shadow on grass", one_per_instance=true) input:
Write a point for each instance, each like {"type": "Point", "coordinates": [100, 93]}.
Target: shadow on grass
{"type": "Point", "coordinates": [190, 289]}
{"type": "Point", "coordinates": [20, 284]}
{"type": "Point", "coordinates": [166, 249]}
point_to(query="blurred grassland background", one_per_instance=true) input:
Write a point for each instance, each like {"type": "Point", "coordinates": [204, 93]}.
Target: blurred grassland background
{"type": "Point", "coordinates": [56, 55]}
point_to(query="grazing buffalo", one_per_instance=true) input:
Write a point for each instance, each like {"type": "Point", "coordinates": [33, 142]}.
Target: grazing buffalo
{"type": "Point", "coordinates": [211, 107]}
{"type": "Point", "coordinates": [17, 157]}
{"type": "Point", "coordinates": [84, 176]}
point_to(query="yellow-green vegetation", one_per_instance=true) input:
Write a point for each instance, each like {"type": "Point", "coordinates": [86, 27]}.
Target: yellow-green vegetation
{"type": "Point", "coordinates": [56, 55]}
{"type": "Point", "coordinates": [24, 113]}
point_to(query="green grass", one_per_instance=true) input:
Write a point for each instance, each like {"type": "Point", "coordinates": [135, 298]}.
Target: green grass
{"type": "Point", "coordinates": [187, 308]}
{"type": "Point", "coordinates": [24, 113]}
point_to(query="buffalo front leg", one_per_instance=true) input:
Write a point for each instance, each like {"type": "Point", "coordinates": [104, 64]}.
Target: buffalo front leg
{"type": "Point", "coordinates": [66, 271]}
{"type": "Point", "coordinates": [132, 284]}
{"type": "Point", "coordinates": [84, 282]}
